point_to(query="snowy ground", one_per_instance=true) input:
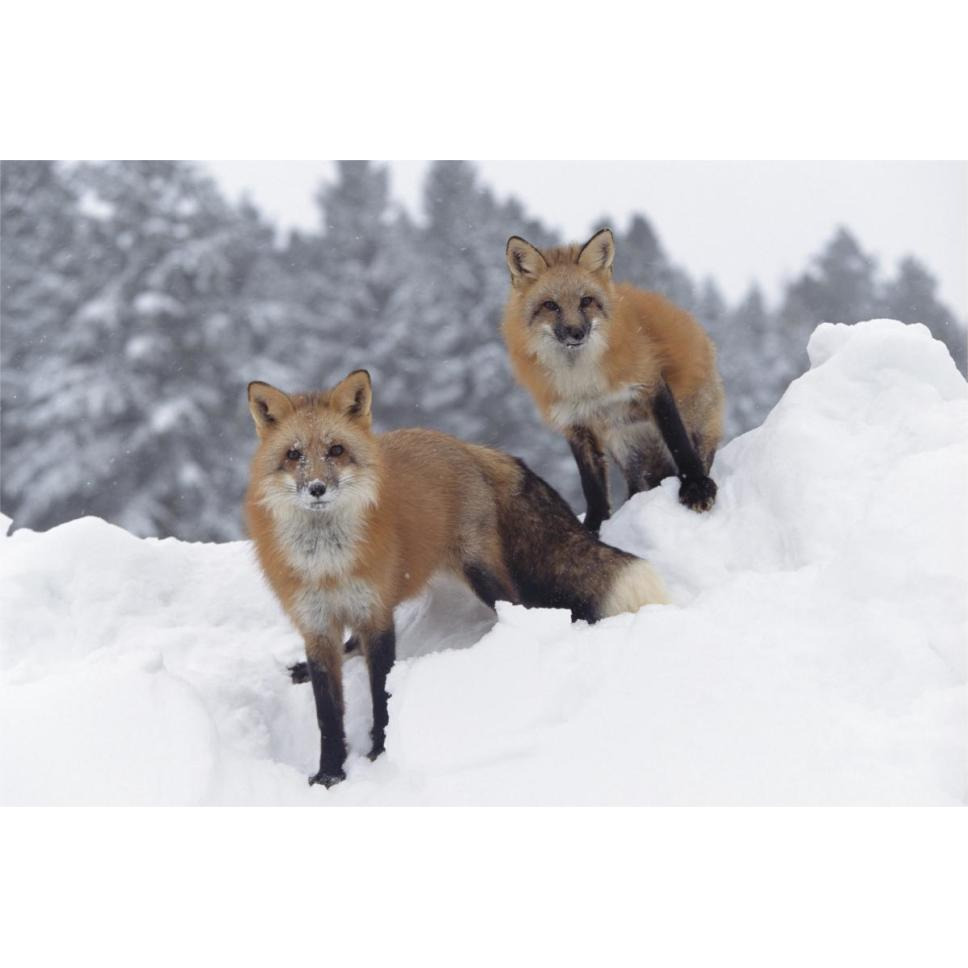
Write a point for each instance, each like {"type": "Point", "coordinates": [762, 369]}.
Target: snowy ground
{"type": "Point", "coordinates": [816, 652]}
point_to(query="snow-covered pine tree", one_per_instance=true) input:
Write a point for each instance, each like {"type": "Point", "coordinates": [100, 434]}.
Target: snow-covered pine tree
{"type": "Point", "coordinates": [350, 279]}
{"type": "Point", "coordinates": [459, 364]}
{"type": "Point", "coordinates": [137, 303]}
{"type": "Point", "coordinates": [751, 364]}
{"type": "Point", "coordinates": [141, 400]}
{"type": "Point", "coordinates": [464, 382]}
{"type": "Point", "coordinates": [840, 286]}
{"type": "Point", "coordinates": [641, 260]}
{"type": "Point", "coordinates": [711, 310]}
{"type": "Point", "coordinates": [50, 265]}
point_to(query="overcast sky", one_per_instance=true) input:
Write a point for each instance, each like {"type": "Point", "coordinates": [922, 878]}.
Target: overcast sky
{"type": "Point", "coordinates": [737, 221]}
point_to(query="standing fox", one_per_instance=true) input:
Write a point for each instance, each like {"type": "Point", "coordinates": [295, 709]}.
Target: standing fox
{"type": "Point", "coordinates": [614, 368]}
{"type": "Point", "coordinates": [348, 524]}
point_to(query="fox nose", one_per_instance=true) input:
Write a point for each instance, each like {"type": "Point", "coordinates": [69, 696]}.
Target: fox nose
{"type": "Point", "coordinates": [572, 334]}
{"type": "Point", "coordinates": [317, 488]}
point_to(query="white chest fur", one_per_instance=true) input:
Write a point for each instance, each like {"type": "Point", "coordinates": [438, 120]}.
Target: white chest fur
{"type": "Point", "coordinates": [350, 603]}
{"type": "Point", "coordinates": [600, 409]}
{"type": "Point", "coordinates": [579, 384]}
{"type": "Point", "coordinates": [317, 545]}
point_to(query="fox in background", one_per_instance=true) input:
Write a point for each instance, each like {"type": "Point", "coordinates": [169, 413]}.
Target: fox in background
{"type": "Point", "coordinates": [347, 524]}
{"type": "Point", "coordinates": [615, 369]}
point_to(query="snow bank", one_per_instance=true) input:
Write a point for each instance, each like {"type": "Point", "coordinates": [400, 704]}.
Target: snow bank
{"type": "Point", "coordinates": [815, 652]}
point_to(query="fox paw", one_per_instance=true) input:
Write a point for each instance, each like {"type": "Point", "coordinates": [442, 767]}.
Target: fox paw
{"type": "Point", "coordinates": [326, 779]}
{"type": "Point", "coordinates": [698, 493]}
{"type": "Point", "coordinates": [377, 749]}
{"type": "Point", "coordinates": [299, 672]}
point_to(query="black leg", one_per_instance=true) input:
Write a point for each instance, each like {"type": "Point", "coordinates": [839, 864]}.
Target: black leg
{"type": "Point", "coordinates": [696, 489]}
{"type": "Point", "coordinates": [381, 651]}
{"type": "Point", "coordinates": [328, 695]}
{"type": "Point", "coordinates": [593, 470]}
{"type": "Point", "coordinates": [487, 586]}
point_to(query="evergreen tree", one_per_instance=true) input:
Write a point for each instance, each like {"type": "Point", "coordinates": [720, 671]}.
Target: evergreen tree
{"type": "Point", "coordinates": [352, 289]}
{"type": "Point", "coordinates": [137, 303]}
{"type": "Point", "coordinates": [461, 369]}
{"type": "Point", "coordinates": [142, 395]}
{"type": "Point", "coordinates": [840, 286]}
{"type": "Point", "coordinates": [711, 311]}
{"type": "Point", "coordinates": [751, 364]}
{"type": "Point", "coordinates": [47, 262]}
{"type": "Point", "coordinates": [641, 260]}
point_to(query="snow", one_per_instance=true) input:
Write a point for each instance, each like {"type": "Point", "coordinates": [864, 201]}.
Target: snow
{"type": "Point", "coordinates": [814, 654]}
{"type": "Point", "coordinates": [154, 303]}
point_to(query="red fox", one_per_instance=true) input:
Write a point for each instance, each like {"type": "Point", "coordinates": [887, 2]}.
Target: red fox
{"type": "Point", "coordinates": [347, 524]}
{"type": "Point", "coordinates": [614, 368]}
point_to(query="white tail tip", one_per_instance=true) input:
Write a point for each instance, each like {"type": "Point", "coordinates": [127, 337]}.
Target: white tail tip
{"type": "Point", "coordinates": [635, 585]}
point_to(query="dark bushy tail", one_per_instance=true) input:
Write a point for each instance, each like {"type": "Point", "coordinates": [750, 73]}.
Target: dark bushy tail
{"type": "Point", "coordinates": [555, 562]}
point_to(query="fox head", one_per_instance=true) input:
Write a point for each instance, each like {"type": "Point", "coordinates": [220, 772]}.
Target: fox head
{"type": "Point", "coordinates": [317, 454]}
{"type": "Point", "coordinates": [563, 296]}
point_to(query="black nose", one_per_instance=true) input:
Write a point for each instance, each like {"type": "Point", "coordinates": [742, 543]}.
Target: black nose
{"type": "Point", "coordinates": [317, 489]}
{"type": "Point", "coordinates": [571, 334]}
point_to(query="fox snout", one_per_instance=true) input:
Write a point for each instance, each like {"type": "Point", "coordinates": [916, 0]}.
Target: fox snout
{"type": "Point", "coordinates": [571, 334]}
{"type": "Point", "coordinates": [315, 494]}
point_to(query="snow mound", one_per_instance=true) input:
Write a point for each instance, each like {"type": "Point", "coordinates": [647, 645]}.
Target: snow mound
{"type": "Point", "coordinates": [815, 652]}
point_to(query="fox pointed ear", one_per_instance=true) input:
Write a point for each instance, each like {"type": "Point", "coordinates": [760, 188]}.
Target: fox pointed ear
{"type": "Point", "coordinates": [598, 253]}
{"type": "Point", "coordinates": [268, 406]}
{"type": "Point", "coordinates": [524, 260]}
{"type": "Point", "coordinates": [353, 397]}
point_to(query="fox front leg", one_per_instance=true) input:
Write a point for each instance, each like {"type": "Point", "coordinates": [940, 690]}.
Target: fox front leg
{"type": "Point", "coordinates": [593, 470]}
{"type": "Point", "coordinates": [324, 661]}
{"type": "Point", "coordinates": [380, 649]}
{"type": "Point", "coordinates": [696, 489]}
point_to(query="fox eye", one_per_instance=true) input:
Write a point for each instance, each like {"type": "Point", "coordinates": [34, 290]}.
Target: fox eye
{"type": "Point", "coordinates": [335, 450]}
{"type": "Point", "coordinates": [294, 454]}
{"type": "Point", "coordinates": [550, 305]}
{"type": "Point", "coordinates": [586, 301]}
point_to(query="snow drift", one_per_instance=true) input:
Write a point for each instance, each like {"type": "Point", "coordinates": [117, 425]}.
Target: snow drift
{"type": "Point", "coordinates": [815, 652]}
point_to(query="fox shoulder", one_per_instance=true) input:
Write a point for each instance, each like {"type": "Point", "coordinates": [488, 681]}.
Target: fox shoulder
{"type": "Point", "coordinates": [681, 346]}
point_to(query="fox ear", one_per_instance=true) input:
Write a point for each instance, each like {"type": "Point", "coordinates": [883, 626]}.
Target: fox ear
{"type": "Point", "coordinates": [524, 260]}
{"type": "Point", "coordinates": [598, 253]}
{"type": "Point", "coordinates": [353, 397]}
{"type": "Point", "coordinates": [268, 406]}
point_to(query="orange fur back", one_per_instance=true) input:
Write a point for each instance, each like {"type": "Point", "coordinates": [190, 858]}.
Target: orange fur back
{"type": "Point", "coordinates": [432, 502]}
{"type": "Point", "coordinates": [648, 338]}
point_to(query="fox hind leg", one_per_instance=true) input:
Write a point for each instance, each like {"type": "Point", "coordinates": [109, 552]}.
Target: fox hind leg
{"type": "Point", "coordinates": [648, 462]}
{"type": "Point", "coordinates": [488, 585]}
